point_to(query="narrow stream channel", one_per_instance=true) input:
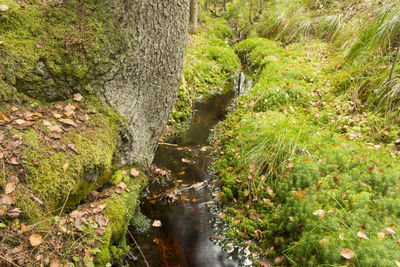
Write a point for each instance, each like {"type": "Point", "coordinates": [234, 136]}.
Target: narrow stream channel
{"type": "Point", "coordinates": [181, 199]}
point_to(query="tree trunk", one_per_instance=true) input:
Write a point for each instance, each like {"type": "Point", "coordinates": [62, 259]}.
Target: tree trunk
{"type": "Point", "coordinates": [193, 16]}
{"type": "Point", "coordinates": [261, 6]}
{"type": "Point", "coordinates": [144, 79]}
{"type": "Point", "coordinates": [225, 5]}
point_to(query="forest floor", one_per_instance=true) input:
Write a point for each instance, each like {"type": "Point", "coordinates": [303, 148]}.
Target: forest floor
{"type": "Point", "coordinates": [309, 174]}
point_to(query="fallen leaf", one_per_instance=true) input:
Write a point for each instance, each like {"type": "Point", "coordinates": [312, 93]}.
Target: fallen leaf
{"type": "Point", "coordinates": [73, 148]}
{"type": "Point", "coordinates": [381, 236]}
{"type": "Point", "coordinates": [3, 8]}
{"type": "Point", "coordinates": [101, 220]}
{"type": "Point", "coordinates": [55, 263]}
{"type": "Point", "coordinates": [265, 263]}
{"type": "Point", "coordinates": [134, 172]}
{"type": "Point", "coordinates": [203, 149]}
{"type": "Point", "coordinates": [319, 213]}
{"type": "Point", "coordinates": [77, 97]}
{"type": "Point", "coordinates": [362, 235]}
{"type": "Point", "coordinates": [186, 160]}
{"type": "Point", "coordinates": [10, 187]}
{"type": "Point", "coordinates": [20, 121]}
{"type": "Point", "coordinates": [77, 214]}
{"type": "Point", "coordinates": [55, 136]}
{"type": "Point", "coordinates": [157, 223]}
{"type": "Point", "coordinates": [279, 260]}
{"type": "Point", "coordinates": [8, 200]}
{"type": "Point", "coordinates": [46, 123]}
{"type": "Point", "coordinates": [69, 108]}
{"type": "Point", "coordinates": [347, 253]}
{"type": "Point", "coordinates": [65, 166]}
{"type": "Point", "coordinates": [4, 117]}
{"type": "Point", "coordinates": [221, 215]}
{"type": "Point", "coordinates": [181, 173]}
{"type": "Point", "coordinates": [35, 240]}
{"type": "Point", "coordinates": [25, 228]}
{"type": "Point", "coordinates": [68, 122]}
{"type": "Point", "coordinates": [55, 128]}
{"type": "Point", "coordinates": [388, 231]}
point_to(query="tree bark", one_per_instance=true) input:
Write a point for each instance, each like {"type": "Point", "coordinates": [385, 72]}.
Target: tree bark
{"type": "Point", "coordinates": [193, 16]}
{"type": "Point", "coordinates": [144, 80]}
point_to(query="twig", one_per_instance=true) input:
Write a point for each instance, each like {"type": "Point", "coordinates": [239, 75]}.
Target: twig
{"type": "Point", "coordinates": [144, 258]}
{"type": "Point", "coordinates": [167, 144]}
{"type": "Point", "coordinates": [13, 263]}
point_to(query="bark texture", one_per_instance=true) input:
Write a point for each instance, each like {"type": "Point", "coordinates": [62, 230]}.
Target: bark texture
{"type": "Point", "coordinates": [193, 16]}
{"type": "Point", "coordinates": [143, 82]}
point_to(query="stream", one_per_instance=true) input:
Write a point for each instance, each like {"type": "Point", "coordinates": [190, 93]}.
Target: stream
{"type": "Point", "coordinates": [180, 204]}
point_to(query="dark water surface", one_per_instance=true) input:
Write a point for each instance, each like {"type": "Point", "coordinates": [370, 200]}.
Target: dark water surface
{"type": "Point", "coordinates": [182, 201]}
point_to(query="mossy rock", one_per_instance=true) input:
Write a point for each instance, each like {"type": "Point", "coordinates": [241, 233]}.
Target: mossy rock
{"type": "Point", "coordinates": [52, 52]}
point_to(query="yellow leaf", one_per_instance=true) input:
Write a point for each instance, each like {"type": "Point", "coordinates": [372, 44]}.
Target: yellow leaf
{"type": "Point", "coordinates": [65, 167]}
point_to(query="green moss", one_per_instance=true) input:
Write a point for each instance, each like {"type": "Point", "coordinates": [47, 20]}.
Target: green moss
{"type": "Point", "coordinates": [58, 175]}
{"type": "Point", "coordinates": [120, 210]}
{"type": "Point", "coordinates": [52, 52]}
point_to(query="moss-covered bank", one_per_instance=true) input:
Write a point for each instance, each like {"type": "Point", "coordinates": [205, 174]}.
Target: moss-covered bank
{"type": "Point", "coordinates": [61, 144]}
{"type": "Point", "coordinates": [311, 176]}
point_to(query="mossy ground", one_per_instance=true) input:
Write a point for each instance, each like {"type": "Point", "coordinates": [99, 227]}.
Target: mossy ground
{"type": "Point", "coordinates": [306, 166]}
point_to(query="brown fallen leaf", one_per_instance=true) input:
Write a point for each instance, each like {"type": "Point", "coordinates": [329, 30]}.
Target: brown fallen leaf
{"type": "Point", "coordinates": [73, 148]}
{"type": "Point", "coordinates": [362, 235]}
{"type": "Point", "coordinates": [221, 215]}
{"type": "Point", "coordinates": [388, 231]}
{"type": "Point", "coordinates": [68, 122]}
{"type": "Point", "coordinates": [101, 220]}
{"type": "Point", "coordinates": [55, 136]}
{"type": "Point", "coordinates": [10, 187]}
{"type": "Point", "coordinates": [77, 214]}
{"type": "Point", "coordinates": [35, 240]}
{"type": "Point", "coordinates": [78, 97]}
{"type": "Point", "coordinates": [134, 172]}
{"type": "Point", "coordinates": [69, 108]}
{"type": "Point", "coordinates": [25, 228]}
{"type": "Point", "coordinates": [55, 263]}
{"type": "Point", "coordinates": [346, 253]}
{"type": "Point", "coordinates": [265, 263]}
{"type": "Point", "coordinates": [55, 128]}
{"type": "Point", "coordinates": [8, 200]}
{"type": "Point", "coordinates": [279, 260]}
{"type": "Point", "coordinates": [20, 121]}
{"type": "Point", "coordinates": [13, 213]}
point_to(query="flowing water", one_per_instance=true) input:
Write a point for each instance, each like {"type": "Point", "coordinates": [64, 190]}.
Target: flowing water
{"type": "Point", "coordinates": [181, 200]}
